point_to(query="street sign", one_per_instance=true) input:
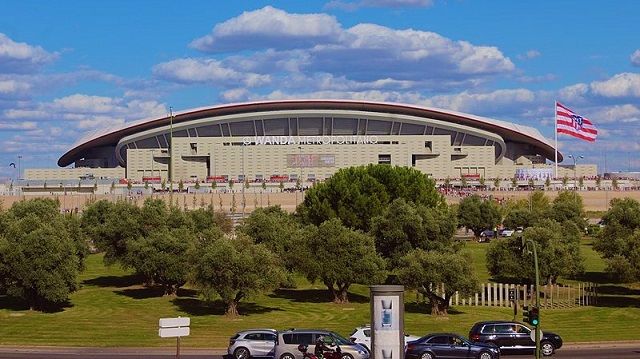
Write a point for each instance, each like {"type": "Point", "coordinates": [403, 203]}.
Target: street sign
{"type": "Point", "coordinates": [174, 328]}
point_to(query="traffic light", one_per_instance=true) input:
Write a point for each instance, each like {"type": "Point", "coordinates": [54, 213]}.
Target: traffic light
{"type": "Point", "coordinates": [526, 314]}
{"type": "Point", "coordinates": [534, 316]}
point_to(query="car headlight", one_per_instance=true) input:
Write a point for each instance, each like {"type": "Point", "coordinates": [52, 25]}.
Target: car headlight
{"type": "Point", "coordinates": [362, 352]}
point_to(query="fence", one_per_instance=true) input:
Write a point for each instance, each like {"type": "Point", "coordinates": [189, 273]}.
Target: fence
{"type": "Point", "coordinates": [552, 296]}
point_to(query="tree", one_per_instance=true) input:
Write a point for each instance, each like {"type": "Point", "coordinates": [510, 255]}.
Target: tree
{"type": "Point", "coordinates": [447, 182]}
{"type": "Point", "coordinates": [514, 182]}
{"type": "Point", "coordinates": [357, 194]}
{"type": "Point", "coordinates": [214, 185]}
{"type": "Point", "coordinates": [264, 185]}
{"type": "Point", "coordinates": [531, 183]}
{"type": "Point", "coordinates": [619, 240]}
{"type": "Point", "coordinates": [404, 226]}
{"type": "Point", "coordinates": [567, 206]}
{"type": "Point", "coordinates": [146, 184]}
{"type": "Point", "coordinates": [163, 185]}
{"type": "Point", "coordinates": [339, 256]}
{"type": "Point", "coordinates": [276, 229]}
{"type": "Point", "coordinates": [235, 269]}
{"type": "Point", "coordinates": [230, 184]}
{"type": "Point", "coordinates": [614, 184]}
{"type": "Point", "coordinates": [41, 253]}
{"type": "Point", "coordinates": [496, 183]}
{"type": "Point", "coordinates": [281, 186]}
{"type": "Point", "coordinates": [161, 257]}
{"type": "Point", "coordinates": [527, 212]}
{"type": "Point", "coordinates": [463, 182]}
{"type": "Point", "coordinates": [197, 185]}
{"type": "Point", "coordinates": [547, 183]}
{"type": "Point", "coordinates": [424, 271]}
{"type": "Point", "coordinates": [246, 183]}
{"type": "Point", "coordinates": [558, 247]}
{"type": "Point", "coordinates": [482, 182]}
{"type": "Point", "coordinates": [565, 181]}
{"type": "Point", "coordinates": [581, 182]}
{"type": "Point", "coordinates": [599, 181]}
{"type": "Point", "coordinates": [181, 186]}
{"type": "Point", "coordinates": [477, 214]}
{"type": "Point", "coordinates": [129, 186]}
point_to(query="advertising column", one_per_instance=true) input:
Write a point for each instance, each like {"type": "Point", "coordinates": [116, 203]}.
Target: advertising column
{"type": "Point", "coordinates": [387, 321]}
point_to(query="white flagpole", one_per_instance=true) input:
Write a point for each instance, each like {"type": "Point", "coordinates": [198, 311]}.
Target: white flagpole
{"type": "Point", "coordinates": [555, 120]}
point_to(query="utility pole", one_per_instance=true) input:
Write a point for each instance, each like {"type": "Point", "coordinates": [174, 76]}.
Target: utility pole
{"type": "Point", "coordinates": [535, 260]}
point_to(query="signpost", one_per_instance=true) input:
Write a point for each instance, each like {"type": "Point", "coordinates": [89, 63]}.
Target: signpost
{"type": "Point", "coordinates": [174, 327]}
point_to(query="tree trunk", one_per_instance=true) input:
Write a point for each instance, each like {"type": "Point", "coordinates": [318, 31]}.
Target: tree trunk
{"type": "Point", "coordinates": [342, 295]}
{"type": "Point", "coordinates": [232, 309]}
{"type": "Point", "coordinates": [439, 305]}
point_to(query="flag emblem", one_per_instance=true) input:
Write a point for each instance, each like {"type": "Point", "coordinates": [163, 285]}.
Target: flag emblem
{"type": "Point", "coordinates": [572, 124]}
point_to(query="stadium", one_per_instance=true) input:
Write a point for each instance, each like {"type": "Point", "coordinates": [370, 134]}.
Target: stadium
{"type": "Point", "coordinates": [309, 140]}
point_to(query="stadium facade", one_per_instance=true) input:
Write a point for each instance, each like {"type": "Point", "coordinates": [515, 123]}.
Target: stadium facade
{"type": "Point", "coordinates": [308, 140]}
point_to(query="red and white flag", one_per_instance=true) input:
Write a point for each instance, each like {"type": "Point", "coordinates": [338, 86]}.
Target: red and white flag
{"type": "Point", "coordinates": [570, 123]}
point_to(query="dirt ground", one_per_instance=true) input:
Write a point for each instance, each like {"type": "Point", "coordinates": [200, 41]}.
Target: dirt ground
{"type": "Point", "coordinates": [593, 200]}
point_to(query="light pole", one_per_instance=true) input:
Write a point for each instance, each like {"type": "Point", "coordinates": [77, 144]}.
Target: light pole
{"type": "Point", "coordinates": [19, 172]}
{"type": "Point", "coordinates": [171, 152]}
{"type": "Point", "coordinates": [244, 180]}
{"type": "Point", "coordinates": [535, 260]}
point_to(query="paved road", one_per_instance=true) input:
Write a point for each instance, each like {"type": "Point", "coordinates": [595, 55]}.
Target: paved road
{"type": "Point", "coordinates": [616, 351]}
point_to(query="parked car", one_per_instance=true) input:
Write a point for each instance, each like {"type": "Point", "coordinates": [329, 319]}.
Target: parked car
{"type": "Point", "coordinates": [252, 343]}
{"type": "Point", "coordinates": [448, 345]}
{"type": "Point", "coordinates": [513, 337]}
{"type": "Point", "coordinates": [287, 342]}
{"type": "Point", "coordinates": [487, 235]}
{"type": "Point", "coordinates": [506, 232]}
{"type": "Point", "coordinates": [362, 335]}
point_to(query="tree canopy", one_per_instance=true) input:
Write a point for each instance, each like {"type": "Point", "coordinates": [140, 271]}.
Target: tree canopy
{"type": "Point", "coordinates": [478, 214]}
{"type": "Point", "coordinates": [357, 194]}
{"type": "Point", "coordinates": [41, 253]}
{"type": "Point", "coordinates": [339, 256]}
{"type": "Point", "coordinates": [619, 241]}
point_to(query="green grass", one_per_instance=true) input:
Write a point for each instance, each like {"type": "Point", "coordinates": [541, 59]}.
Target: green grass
{"type": "Point", "coordinates": [110, 309]}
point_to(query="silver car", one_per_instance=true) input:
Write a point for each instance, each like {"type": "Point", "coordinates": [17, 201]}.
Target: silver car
{"type": "Point", "coordinates": [287, 344]}
{"type": "Point", "coordinates": [252, 343]}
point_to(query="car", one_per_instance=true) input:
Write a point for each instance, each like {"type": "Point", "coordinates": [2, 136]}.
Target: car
{"type": "Point", "coordinates": [511, 336]}
{"type": "Point", "coordinates": [252, 343]}
{"type": "Point", "coordinates": [449, 345]}
{"type": "Point", "coordinates": [362, 335]}
{"type": "Point", "coordinates": [506, 232]}
{"type": "Point", "coordinates": [487, 235]}
{"type": "Point", "coordinates": [287, 342]}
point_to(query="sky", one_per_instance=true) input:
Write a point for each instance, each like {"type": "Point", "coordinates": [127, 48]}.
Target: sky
{"type": "Point", "coordinates": [68, 68]}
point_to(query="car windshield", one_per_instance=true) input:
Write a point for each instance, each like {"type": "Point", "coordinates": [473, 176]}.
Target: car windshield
{"type": "Point", "coordinates": [340, 340]}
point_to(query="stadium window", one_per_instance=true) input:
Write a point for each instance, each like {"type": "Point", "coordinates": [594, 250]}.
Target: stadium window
{"type": "Point", "coordinates": [384, 159]}
{"type": "Point", "coordinates": [429, 145]}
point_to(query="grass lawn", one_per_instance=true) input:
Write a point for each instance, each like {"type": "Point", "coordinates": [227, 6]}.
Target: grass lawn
{"type": "Point", "coordinates": [111, 309]}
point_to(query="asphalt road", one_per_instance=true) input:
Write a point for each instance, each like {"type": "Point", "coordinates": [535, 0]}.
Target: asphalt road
{"type": "Point", "coordinates": [615, 351]}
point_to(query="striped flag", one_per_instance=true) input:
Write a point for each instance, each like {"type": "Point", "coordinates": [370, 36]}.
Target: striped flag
{"type": "Point", "coordinates": [570, 123]}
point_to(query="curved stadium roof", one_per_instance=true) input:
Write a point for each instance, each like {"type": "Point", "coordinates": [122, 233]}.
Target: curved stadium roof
{"type": "Point", "coordinates": [507, 130]}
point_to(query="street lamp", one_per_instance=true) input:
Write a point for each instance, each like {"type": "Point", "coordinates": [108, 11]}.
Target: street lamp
{"type": "Point", "coordinates": [525, 244]}
{"type": "Point", "coordinates": [575, 162]}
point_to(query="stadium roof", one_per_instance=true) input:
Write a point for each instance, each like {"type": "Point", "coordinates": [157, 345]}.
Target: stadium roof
{"type": "Point", "coordinates": [506, 130]}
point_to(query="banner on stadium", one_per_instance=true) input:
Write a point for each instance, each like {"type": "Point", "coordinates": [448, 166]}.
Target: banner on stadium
{"type": "Point", "coordinates": [534, 173]}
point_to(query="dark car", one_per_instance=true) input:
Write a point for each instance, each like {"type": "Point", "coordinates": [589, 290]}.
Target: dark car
{"type": "Point", "coordinates": [513, 337]}
{"type": "Point", "coordinates": [448, 345]}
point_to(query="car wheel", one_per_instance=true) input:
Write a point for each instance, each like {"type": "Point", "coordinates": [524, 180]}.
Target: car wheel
{"type": "Point", "coordinates": [485, 355]}
{"type": "Point", "coordinates": [346, 356]}
{"type": "Point", "coordinates": [287, 356]}
{"type": "Point", "coordinates": [546, 348]}
{"type": "Point", "coordinates": [241, 353]}
{"type": "Point", "coordinates": [426, 355]}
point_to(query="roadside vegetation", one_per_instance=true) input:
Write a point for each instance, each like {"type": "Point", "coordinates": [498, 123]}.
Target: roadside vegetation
{"type": "Point", "coordinates": [365, 225]}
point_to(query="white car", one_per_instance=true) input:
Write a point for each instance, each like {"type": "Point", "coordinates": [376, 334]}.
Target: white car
{"type": "Point", "coordinates": [362, 336]}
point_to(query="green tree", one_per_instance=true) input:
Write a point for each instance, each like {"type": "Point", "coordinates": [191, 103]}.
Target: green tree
{"type": "Point", "coordinates": [614, 184]}
{"type": "Point", "coordinates": [404, 226]}
{"type": "Point", "coordinates": [197, 185]}
{"type": "Point", "coordinates": [281, 186]}
{"type": "Point", "coordinates": [181, 186]}
{"type": "Point", "coordinates": [567, 206]}
{"type": "Point", "coordinates": [482, 182]}
{"type": "Point", "coordinates": [264, 185]}
{"type": "Point", "coordinates": [496, 183]}
{"type": "Point", "coordinates": [527, 212]}
{"type": "Point", "coordinates": [230, 184]}
{"type": "Point", "coordinates": [463, 182]}
{"type": "Point", "coordinates": [161, 257]}
{"type": "Point", "coordinates": [129, 186]}
{"type": "Point", "coordinates": [163, 185]}
{"type": "Point", "coordinates": [599, 181]}
{"type": "Point", "coordinates": [235, 269]}
{"type": "Point", "coordinates": [424, 271]}
{"type": "Point", "coordinates": [558, 248]}
{"type": "Point", "coordinates": [619, 240]}
{"type": "Point", "coordinates": [477, 214]}
{"type": "Point", "coordinates": [514, 182]}
{"type": "Point", "coordinates": [246, 183]}
{"type": "Point", "coordinates": [581, 182]}
{"type": "Point", "coordinates": [214, 185]}
{"type": "Point", "coordinates": [338, 257]}
{"type": "Point", "coordinates": [357, 194]}
{"type": "Point", "coordinates": [531, 183]}
{"type": "Point", "coordinates": [146, 184]}
{"type": "Point", "coordinates": [565, 181]}
{"type": "Point", "coordinates": [41, 253]}
{"type": "Point", "coordinates": [547, 183]}
{"type": "Point", "coordinates": [447, 182]}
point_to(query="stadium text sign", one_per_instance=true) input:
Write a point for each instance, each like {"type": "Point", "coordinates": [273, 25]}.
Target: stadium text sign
{"type": "Point", "coordinates": [309, 140]}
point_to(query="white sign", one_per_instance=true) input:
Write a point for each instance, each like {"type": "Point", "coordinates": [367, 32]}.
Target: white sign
{"type": "Point", "coordinates": [173, 332]}
{"type": "Point", "coordinates": [174, 327]}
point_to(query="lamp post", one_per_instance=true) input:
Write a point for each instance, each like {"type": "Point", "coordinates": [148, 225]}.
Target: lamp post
{"type": "Point", "coordinates": [171, 152]}
{"type": "Point", "coordinates": [244, 180]}
{"type": "Point", "coordinates": [19, 172]}
{"type": "Point", "coordinates": [525, 244]}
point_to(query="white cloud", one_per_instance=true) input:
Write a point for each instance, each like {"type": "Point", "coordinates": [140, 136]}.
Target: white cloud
{"type": "Point", "coordinates": [498, 100]}
{"type": "Point", "coordinates": [17, 126]}
{"type": "Point", "coordinates": [530, 54]}
{"type": "Point", "coordinates": [269, 27]}
{"type": "Point", "coordinates": [621, 85]}
{"type": "Point", "coordinates": [81, 104]}
{"type": "Point", "coordinates": [635, 58]}
{"type": "Point", "coordinates": [19, 57]}
{"type": "Point", "coordinates": [625, 113]}
{"type": "Point", "coordinates": [353, 5]}
{"type": "Point", "coordinates": [10, 86]}
{"type": "Point", "coordinates": [207, 71]}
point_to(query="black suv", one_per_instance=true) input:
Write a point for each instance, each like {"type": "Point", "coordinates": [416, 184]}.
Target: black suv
{"type": "Point", "coordinates": [513, 336]}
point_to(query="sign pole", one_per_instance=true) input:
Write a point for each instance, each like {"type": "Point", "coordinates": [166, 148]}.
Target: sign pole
{"type": "Point", "coordinates": [178, 348]}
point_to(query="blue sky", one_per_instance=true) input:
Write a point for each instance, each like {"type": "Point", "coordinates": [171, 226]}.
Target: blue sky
{"type": "Point", "coordinates": [71, 67]}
